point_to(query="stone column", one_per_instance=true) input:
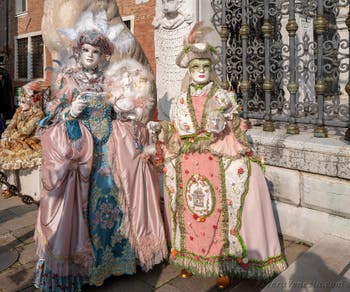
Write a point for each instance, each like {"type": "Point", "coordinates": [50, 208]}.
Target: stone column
{"type": "Point", "coordinates": [172, 24]}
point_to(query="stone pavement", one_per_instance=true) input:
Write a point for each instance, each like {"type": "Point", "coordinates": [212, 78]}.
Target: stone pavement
{"type": "Point", "coordinates": [16, 231]}
{"type": "Point", "coordinates": [324, 267]}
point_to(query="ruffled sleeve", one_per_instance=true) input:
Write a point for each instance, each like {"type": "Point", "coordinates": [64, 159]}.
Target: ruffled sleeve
{"type": "Point", "coordinates": [65, 93]}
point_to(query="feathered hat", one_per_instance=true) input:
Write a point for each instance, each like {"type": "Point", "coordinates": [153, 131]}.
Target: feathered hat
{"type": "Point", "coordinates": [32, 93]}
{"type": "Point", "coordinates": [196, 48]}
{"type": "Point", "coordinates": [94, 25]}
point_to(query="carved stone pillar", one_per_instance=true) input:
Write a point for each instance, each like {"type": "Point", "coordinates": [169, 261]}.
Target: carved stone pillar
{"type": "Point", "coordinates": [172, 24]}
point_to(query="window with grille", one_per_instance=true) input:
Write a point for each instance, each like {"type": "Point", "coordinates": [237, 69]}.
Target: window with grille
{"type": "Point", "coordinates": [37, 59]}
{"type": "Point", "coordinates": [22, 58]}
{"type": "Point", "coordinates": [2, 59]}
{"type": "Point", "coordinates": [129, 22]}
{"type": "Point", "coordinates": [30, 57]}
{"type": "Point", "coordinates": [21, 6]}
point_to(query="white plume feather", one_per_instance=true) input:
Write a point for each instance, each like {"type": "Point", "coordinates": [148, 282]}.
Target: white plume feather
{"type": "Point", "coordinates": [85, 22]}
{"type": "Point", "coordinates": [100, 21]}
{"type": "Point", "coordinates": [114, 31]}
{"type": "Point", "coordinates": [118, 34]}
{"type": "Point", "coordinates": [69, 33]}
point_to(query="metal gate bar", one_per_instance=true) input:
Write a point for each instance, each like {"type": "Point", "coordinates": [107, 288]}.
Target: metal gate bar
{"type": "Point", "coordinates": [302, 80]}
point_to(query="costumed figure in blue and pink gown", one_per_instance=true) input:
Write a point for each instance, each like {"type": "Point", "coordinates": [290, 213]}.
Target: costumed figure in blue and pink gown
{"type": "Point", "coordinates": [99, 208]}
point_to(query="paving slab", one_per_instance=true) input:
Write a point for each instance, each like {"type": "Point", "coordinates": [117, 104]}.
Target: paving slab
{"type": "Point", "coordinates": [159, 275]}
{"type": "Point", "coordinates": [167, 288]}
{"type": "Point", "coordinates": [28, 254]}
{"type": "Point", "coordinates": [249, 286]}
{"type": "Point", "coordinates": [25, 234]}
{"type": "Point", "coordinates": [194, 283]}
{"type": "Point", "coordinates": [7, 238]}
{"type": "Point", "coordinates": [21, 220]}
{"type": "Point", "coordinates": [22, 209]}
{"type": "Point", "coordinates": [17, 279]}
{"type": "Point", "coordinates": [3, 230]}
{"type": "Point", "coordinates": [318, 269]}
{"type": "Point", "coordinates": [10, 241]}
{"type": "Point", "coordinates": [6, 215]}
{"type": "Point", "coordinates": [10, 202]}
{"type": "Point", "coordinates": [17, 229]}
{"type": "Point", "coordinates": [294, 251]}
{"type": "Point", "coordinates": [30, 289]}
{"type": "Point", "coordinates": [343, 283]}
{"type": "Point", "coordinates": [121, 284]}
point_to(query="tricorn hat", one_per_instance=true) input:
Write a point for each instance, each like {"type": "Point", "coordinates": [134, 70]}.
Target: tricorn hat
{"type": "Point", "coordinates": [195, 48]}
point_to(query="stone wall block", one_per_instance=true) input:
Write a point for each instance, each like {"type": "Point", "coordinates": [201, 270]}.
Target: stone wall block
{"type": "Point", "coordinates": [321, 163]}
{"type": "Point", "coordinates": [329, 156]}
{"type": "Point", "coordinates": [338, 226]}
{"type": "Point", "coordinates": [344, 163]}
{"type": "Point", "coordinates": [327, 194]}
{"type": "Point", "coordinates": [257, 137]}
{"type": "Point", "coordinates": [309, 225]}
{"type": "Point", "coordinates": [299, 223]}
{"type": "Point", "coordinates": [315, 162]}
{"type": "Point", "coordinates": [284, 184]}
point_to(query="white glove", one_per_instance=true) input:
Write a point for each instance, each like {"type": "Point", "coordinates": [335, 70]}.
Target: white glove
{"type": "Point", "coordinates": [216, 122]}
{"type": "Point", "coordinates": [150, 149]}
{"type": "Point", "coordinates": [153, 127]}
{"type": "Point", "coordinates": [77, 107]}
{"type": "Point", "coordinates": [124, 105]}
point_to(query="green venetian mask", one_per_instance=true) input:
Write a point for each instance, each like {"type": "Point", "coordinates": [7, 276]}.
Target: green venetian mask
{"type": "Point", "coordinates": [200, 65]}
{"type": "Point", "coordinates": [200, 71]}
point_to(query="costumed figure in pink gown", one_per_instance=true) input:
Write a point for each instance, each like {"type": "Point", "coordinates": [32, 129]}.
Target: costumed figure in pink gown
{"type": "Point", "coordinates": [219, 213]}
{"type": "Point", "coordinates": [99, 207]}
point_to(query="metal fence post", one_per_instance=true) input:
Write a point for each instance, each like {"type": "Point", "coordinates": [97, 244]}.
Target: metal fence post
{"type": "Point", "coordinates": [224, 36]}
{"type": "Point", "coordinates": [292, 86]}
{"type": "Point", "coordinates": [244, 84]}
{"type": "Point", "coordinates": [347, 87]}
{"type": "Point", "coordinates": [320, 26]}
{"type": "Point", "coordinates": [267, 85]}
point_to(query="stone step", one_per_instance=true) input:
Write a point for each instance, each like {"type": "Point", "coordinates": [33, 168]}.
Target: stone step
{"type": "Point", "coordinates": [345, 278]}
{"type": "Point", "coordinates": [324, 267]}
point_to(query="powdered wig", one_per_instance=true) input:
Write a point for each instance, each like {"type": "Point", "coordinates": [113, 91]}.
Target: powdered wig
{"type": "Point", "coordinates": [33, 93]}
{"type": "Point", "coordinates": [95, 39]}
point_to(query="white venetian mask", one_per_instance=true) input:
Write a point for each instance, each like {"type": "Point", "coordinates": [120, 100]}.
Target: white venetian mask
{"type": "Point", "coordinates": [90, 56]}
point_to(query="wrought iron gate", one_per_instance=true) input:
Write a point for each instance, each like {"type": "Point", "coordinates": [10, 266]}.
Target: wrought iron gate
{"type": "Point", "coordinates": [288, 60]}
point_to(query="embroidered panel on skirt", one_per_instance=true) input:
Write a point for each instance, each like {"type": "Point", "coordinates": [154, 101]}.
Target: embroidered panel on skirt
{"type": "Point", "coordinates": [206, 198]}
{"type": "Point", "coordinates": [199, 189]}
{"type": "Point", "coordinates": [113, 252]}
{"type": "Point", "coordinates": [200, 217]}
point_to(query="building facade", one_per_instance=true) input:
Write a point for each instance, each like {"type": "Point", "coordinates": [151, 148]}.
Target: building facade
{"type": "Point", "coordinates": [22, 50]}
{"type": "Point", "coordinates": [139, 15]}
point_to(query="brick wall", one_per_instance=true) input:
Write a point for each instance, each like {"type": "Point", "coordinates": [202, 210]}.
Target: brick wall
{"type": "Point", "coordinates": [11, 29]}
{"type": "Point", "coordinates": [143, 30]}
{"type": "Point", "coordinates": [24, 24]}
{"type": "Point", "coordinates": [31, 21]}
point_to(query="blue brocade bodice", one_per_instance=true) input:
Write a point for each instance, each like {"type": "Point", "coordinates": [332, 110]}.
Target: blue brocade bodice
{"type": "Point", "coordinates": [97, 118]}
